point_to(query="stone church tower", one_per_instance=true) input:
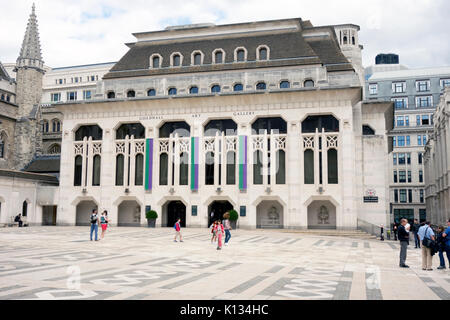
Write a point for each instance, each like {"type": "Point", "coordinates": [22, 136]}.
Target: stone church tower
{"type": "Point", "coordinates": [30, 72]}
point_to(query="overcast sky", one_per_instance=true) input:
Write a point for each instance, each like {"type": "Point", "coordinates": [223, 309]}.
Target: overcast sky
{"type": "Point", "coordinates": [92, 31]}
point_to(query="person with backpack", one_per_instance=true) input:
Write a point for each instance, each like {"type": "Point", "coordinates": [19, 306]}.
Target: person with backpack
{"type": "Point", "coordinates": [104, 223]}
{"type": "Point", "coordinates": [177, 228]}
{"type": "Point", "coordinates": [94, 224]}
{"type": "Point", "coordinates": [219, 232]}
{"type": "Point", "coordinates": [446, 242]}
{"type": "Point", "coordinates": [426, 235]}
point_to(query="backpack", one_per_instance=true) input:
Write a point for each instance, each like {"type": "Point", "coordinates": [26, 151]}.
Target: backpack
{"type": "Point", "coordinates": [93, 218]}
{"type": "Point", "coordinates": [175, 226]}
{"type": "Point", "coordinates": [103, 219]}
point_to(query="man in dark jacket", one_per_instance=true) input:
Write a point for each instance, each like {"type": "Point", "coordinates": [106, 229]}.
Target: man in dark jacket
{"type": "Point", "coordinates": [403, 236]}
{"type": "Point", "coordinates": [415, 229]}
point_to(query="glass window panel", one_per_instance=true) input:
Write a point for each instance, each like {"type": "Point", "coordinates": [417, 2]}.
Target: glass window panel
{"type": "Point", "coordinates": [96, 170]}
{"type": "Point", "coordinates": [281, 167]}
{"type": "Point", "coordinates": [120, 164]}
{"type": "Point", "coordinates": [139, 170]}
{"type": "Point", "coordinates": [231, 168]}
{"type": "Point", "coordinates": [332, 166]}
{"type": "Point", "coordinates": [184, 169]}
{"type": "Point", "coordinates": [163, 169]}
{"type": "Point", "coordinates": [257, 168]}
{"type": "Point", "coordinates": [309, 166]}
{"type": "Point", "coordinates": [78, 171]}
{"type": "Point", "coordinates": [209, 169]}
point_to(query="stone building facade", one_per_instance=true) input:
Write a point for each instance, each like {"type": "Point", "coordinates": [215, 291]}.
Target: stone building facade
{"type": "Point", "coordinates": [437, 164]}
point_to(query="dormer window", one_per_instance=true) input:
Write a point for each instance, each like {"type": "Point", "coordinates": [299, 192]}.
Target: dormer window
{"type": "Point", "coordinates": [155, 61]}
{"type": "Point", "coordinates": [219, 56]}
{"type": "Point", "coordinates": [176, 59]}
{"type": "Point", "coordinates": [240, 54]}
{"type": "Point", "coordinates": [197, 58]}
{"type": "Point", "coordinates": [131, 94]}
{"type": "Point", "coordinates": [262, 53]}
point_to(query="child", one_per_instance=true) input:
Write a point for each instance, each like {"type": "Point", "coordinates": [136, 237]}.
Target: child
{"type": "Point", "coordinates": [104, 223]}
{"type": "Point", "coordinates": [219, 233]}
{"type": "Point", "coordinates": [213, 231]}
{"type": "Point", "coordinates": [178, 230]}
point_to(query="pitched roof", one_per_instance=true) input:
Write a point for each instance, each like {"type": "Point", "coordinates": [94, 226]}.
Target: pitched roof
{"type": "Point", "coordinates": [49, 164]}
{"type": "Point", "coordinates": [288, 47]}
{"type": "Point", "coordinates": [31, 176]}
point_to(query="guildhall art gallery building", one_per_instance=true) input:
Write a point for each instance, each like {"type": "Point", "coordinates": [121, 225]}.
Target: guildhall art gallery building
{"type": "Point", "coordinates": [265, 118]}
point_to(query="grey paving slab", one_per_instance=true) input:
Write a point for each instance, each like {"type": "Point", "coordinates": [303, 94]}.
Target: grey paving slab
{"type": "Point", "coordinates": [247, 284]}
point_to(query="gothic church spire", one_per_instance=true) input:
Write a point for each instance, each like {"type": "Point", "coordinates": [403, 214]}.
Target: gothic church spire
{"type": "Point", "coordinates": [30, 53]}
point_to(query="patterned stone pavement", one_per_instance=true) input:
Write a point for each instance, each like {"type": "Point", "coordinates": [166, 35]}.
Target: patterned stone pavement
{"type": "Point", "coordinates": [140, 263]}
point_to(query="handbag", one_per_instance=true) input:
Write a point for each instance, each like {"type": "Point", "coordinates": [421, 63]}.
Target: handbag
{"type": "Point", "coordinates": [427, 242]}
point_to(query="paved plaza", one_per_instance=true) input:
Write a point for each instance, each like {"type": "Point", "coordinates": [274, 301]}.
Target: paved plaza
{"type": "Point", "coordinates": [141, 264]}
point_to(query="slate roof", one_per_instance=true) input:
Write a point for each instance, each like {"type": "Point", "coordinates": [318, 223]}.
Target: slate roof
{"type": "Point", "coordinates": [49, 164]}
{"type": "Point", "coordinates": [287, 48]}
{"type": "Point", "coordinates": [30, 176]}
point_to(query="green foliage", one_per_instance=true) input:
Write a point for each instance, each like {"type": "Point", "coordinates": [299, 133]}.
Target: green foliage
{"type": "Point", "coordinates": [151, 215]}
{"type": "Point", "coordinates": [234, 216]}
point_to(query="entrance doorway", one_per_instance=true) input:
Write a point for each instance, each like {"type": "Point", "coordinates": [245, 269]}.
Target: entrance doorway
{"type": "Point", "coordinates": [84, 211]}
{"type": "Point", "coordinates": [174, 210]}
{"type": "Point", "coordinates": [49, 215]}
{"type": "Point", "coordinates": [217, 209]}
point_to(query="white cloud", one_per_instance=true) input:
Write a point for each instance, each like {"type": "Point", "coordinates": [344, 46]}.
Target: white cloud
{"type": "Point", "coordinates": [90, 31]}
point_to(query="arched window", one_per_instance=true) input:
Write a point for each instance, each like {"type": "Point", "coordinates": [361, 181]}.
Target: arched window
{"type": "Point", "coordinates": [257, 167]}
{"type": "Point", "coordinates": [45, 126]}
{"type": "Point", "coordinates": [139, 170]}
{"type": "Point", "coordinates": [151, 93]}
{"type": "Point", "coordinates": [261, 86]}
{"type": "Point", "coordinates": [163, 169]}
{"type": "Point", "coordinates": [96, 168]}
{"type": "Point", "coordinates": [231, 168]}
{"type": "Point", "coordinates": [25, 209]}
{"type": "Point", "coordinates": [56, 126]}
{"type": "Point", "coordinates": [111, 95]}
{"type": "Point", "coordinates": [197, 59]}
{"type": "Point", "coordinates": [209, 169]}
{"type": "Point", "coordinates": [155, 62]}
{"type": "Point", "coordinates": [54, 149]}
{"type": "Point", "coordinates": [130, 129]}
{"type": "Point", "coordinates": [326, 122]}
{"type": "Point", "coordinates": [224, 125]}
{"type": "Point", "coordinates": [353, 41]}
{"type": "Point", "coordinates": [93, 131]}
{"type": "Point", "coordinates": [263, 54]}
{"type": "Point", "coordinates": [332, 166]}
{"type": "Point", "coordinates": [308, 84]}
{"type": "Point", "coordinates": [131, 94]}
{"type": "Point", "coordinates": [285, 85]}
{"type": "Point", "coordinates": [172, 91]}
{"type": "Point", "coordinates": [277, 124]}
{"type": "Point", "coordinates": [176, 60]}
{"type": "Point", "coordinates": [180, 127]}
{"type": "Point", "coordinates": [120, 165]}
{"type": "Point", "coordinates": [345, 40]}
{"type": "Point", "coordinates": [238, 87]}
{"type": "Point", "coordinates": [218, 56]}
{"type": "Point", "coordinates": [184, 169]}
{"type": "Point", "coordinates": [240, 55]}
{"type": "Point", "coordinates": [309, 166]}
{"type": "Point", "coordinates": [193, 90]}
{"type": "Point", "coordinates": [2, 145]}
{"type": "Point", "coordinates": [78, 171]}
{"type": "Point", "coordinates": [281, 167]}
{"type": "Point", "coordinates": [215, 89]}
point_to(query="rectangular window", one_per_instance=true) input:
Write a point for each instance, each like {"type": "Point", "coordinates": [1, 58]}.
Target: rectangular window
{"type": "Point", "coordinates": [394, 141]}
{"type": "Point", "coordinates": [61, 81]}
{"type": "Point", "coordinates": [445, 83]}
{"type": "Point", "coordinates": [401, 141]}
{"type": "Point", "coordinates": [422, 198]}
{"type": "Point", "coordinates": [408, 141]}
{"type": "Point", "coordinates": [418, 123]}
{"type": "Point", "coordinates": [402, 176]}
{"type": "Point", "coordinates": [426, 120]}
{"type": "Point", "coordinates": [410, 197]}
{"type": "Point", "coordinates": [373, 89]}
{"type": "Point", "coordinates": [395, 177]}
{"type": "Point", "coordinates": [92, 78]}
{"type": "Point", "coordinates": [394, 157]}
{"type": "Point", "coordinates": [423, 85]}
{"type": "Point", "coordinates": [400, 103]}
{"type": "Point", "coordinates": [400, 121]}
{"type": "Point", "coordinates": [424, 102]}
{"type": "Point", "coordinates": [408, 158]}
{"type": "Point", "coordinates": [401, 158]}
{"type": "Point", "coordinates": [424, 140]}
{"type": "Point", "coordinates": [409, 177]}
{"type": "Point", "coordinates": [403, 198]}
{"type": "Point", "coordinates": [56, 97]}
{"type": "Point", "coordinates": [420, 176]}
{"type": "Point", "coordinates": [398, 87]}
{"type": "Point", "coordinates": [407, 121]}
{"type": "Point", "coordinates": [87, 95]}
{"type": "Point", "coordinates": [395, 195]}
{"type": "Point", "coordinates": [420, 157]}
{"type": "Point", "coordinates": [71, 96]}
{"type": "Point", "coordinates": [419, 140]}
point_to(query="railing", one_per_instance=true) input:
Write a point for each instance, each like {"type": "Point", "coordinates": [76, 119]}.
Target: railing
{"type": "Point", "coordinates": [370, 228]}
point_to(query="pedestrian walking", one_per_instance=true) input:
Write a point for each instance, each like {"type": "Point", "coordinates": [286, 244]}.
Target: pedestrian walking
{"type": "Point", "coordinates": [177, 227]}
{"type": "Point", "coordinates": [227, 227]}
{"type": "Point", "coordinates": [219, 232]}
{"type": "Point", "coordinates": [426, 235]}
{"type": "Point", "coordinates": [415, 230]}
{"type": "Point", "coordinates": [440, 243]}
{"type": "Point", "coordinates": [104, 223]}
{"type": "Point", "coordinates": [382, 233]}
{"type": "Point", "coordinates": [395, 230]}
{"type": "Point", "coordinates": [403, 236]}
{"type": "Point", "coordinates": [213, 232]}
{"type": "Point", "coordinates": [446, 246]}
{"type": "Point", "coordinates": [94, 224]}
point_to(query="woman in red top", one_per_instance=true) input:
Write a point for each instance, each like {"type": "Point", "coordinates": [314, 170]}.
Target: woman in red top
{"type": "Point", "coordinates": [219, 233]}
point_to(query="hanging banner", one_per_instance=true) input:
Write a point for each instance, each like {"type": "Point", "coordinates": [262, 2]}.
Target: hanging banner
{"type": "Point", "coordinates": [194, 162]}
{"type": "Point", "coordinates": [243, 162]}
{"type": "Point", "coordinates": [149, 164]}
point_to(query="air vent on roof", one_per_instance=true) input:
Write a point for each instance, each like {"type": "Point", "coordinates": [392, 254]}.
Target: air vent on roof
{"type": "Point", "coordinates": [190, 26]}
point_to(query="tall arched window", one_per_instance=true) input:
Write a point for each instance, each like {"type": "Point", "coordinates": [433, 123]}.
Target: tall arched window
{"type": "Point", "coordinates": [345, 40]}
{"type": "Point", "coordinates": [78, 171]}
{"type": "Point", "coordinates": [261, 86]}
{"type": "Point", "coordinates": [231, 168]}
{"type": "Point", "coordinates": [131, 94]}
{"type": "Point", "coordinates": [263, 54]}
{"type": "Point", "coordinates": [25, 209]}
{"type": "Point", "coordinates": [332, 166]}
{"type": "Point", "coordinates": [209, 169]}
{"type": "Point", "coordinates": [120, 166]}
{"type": "Point", "coordinates": [215, 89]}
{"type": "Point", "coordinates": [281, 167]}
{"type": "Point", "coordinates": [176, 62]}
{"type": "Point", "coordinates": [96, 168]}
{"type": "Point", "coordinates": [139, 170]}
{"type": "Point", "coordinates": [257, 167]}
{"type": "Point", "coordinates": [151, 93]}
{"type": "Point", "coordinates": [163, 169]}
{"type": "Point", "coordinates": [111, 95]}
{"type": "Point", "coordinates": [240, 55]}
{"type": "Point", "coordinates": [45, 126]}
{"type": "Point", "coordinates": [197, 59]}
{"type": "Point", "coordinates": [193, 90]}
{"type": "Point", "coordinates": [218, 56]}
{"type": "Point", "coordinates": [3, 140]}
{"type": "Point", "coordinates": [56, 125]}
{"type": "Point", "coordinates": [238, 87]}
{"type": "Point", "coordinates": [309, 166]}
{"type": "Point", "coordinates": [184, 169]}
{"type": "Point", "coordinates": [155, 62]}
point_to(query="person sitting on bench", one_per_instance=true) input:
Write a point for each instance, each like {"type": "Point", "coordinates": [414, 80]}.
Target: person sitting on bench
{"type": "Point", "coordinates": [18, 219]}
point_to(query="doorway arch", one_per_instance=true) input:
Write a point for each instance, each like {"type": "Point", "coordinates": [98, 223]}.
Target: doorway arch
{"type": "Point", "coordinates": [129, 214]}
{"type": "Point", "coordinates": [322, 215]}
{"type": "Point", "coordinates": [84, 211]}
{"type": "Point", "coordinates": [171, 211]}
{"type": "Point", "coordinates": [217, 209]}
{"type": "Point", "coordinates": [269, 215]}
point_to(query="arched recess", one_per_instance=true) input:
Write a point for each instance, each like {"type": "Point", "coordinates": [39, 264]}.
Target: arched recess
{"type": "Point", "coordinates": [84, 207]}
